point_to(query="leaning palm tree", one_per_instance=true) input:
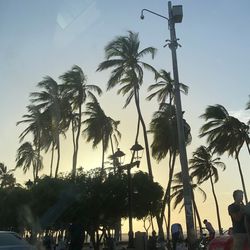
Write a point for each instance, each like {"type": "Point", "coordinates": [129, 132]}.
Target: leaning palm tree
{"type": "Point", "coordinates": [100, 128]}
{"type": "Point", "coordinates": [28, 157]}
{"type": "Point", "coordinates": [76, 90]}
{"type": "Point", "coordinates": [203, 167]}
{"type": "Point", "coordinates": [124, 57]}
{"type": "Point", "coordinates": [163, 126]}
{"type": "Point", "coordinates": [35, 121]}
{"type": "Point", "coordinates": [178, 196]}
{"type": "Point", "coordinates": [48, 100]}
{"type": "Point", "coordinates": [164, 89]}
{"type": "Point", "coordinates": [225, 133]}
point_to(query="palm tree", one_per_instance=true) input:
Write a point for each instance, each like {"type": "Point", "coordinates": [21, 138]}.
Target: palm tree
{"type": "Point", "coordinates": [164, 88]}
{"type": "Point", "coordinates": [163, 126]}
{"type": "Point", "coordinates": [49, 101]}
{"type": "Point", "coordinates": [26, 157]}
{"type": "Point", "coordinates": [225, 133]}
{"type": "Point", "coordinates": [100, 128]}
{"type": "Point", "coordinates": [124, 57]}
{"type": "Point", "coordinates": [76, 90]}
{"type": "Point", "coordinates": [6, 176]}
{"type": "Point", "coordinates": [35, 121]}
{"type": "Point", "coordinates": [178, 196]}
{"type": "Point", "coordinates": [204, 168]}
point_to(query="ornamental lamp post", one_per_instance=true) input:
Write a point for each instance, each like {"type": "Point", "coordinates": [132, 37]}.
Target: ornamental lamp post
{"type": "Point", "coordinates": [137, 152]}
{"type": "Point", "coordinates": [175, 15]}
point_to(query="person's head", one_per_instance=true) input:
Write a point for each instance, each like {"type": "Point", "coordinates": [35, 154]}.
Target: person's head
{"type": "Point", "coordinates": [238, 196]}
{"type": "Point", "coordinates": [205, 221]}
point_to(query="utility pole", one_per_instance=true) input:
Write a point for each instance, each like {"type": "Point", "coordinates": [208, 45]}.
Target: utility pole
{"type": "Point", "coordinates": [187, 192]}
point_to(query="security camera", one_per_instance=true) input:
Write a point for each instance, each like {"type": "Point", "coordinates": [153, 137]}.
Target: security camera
{"type": "Point", "coordinates": [142, 16]}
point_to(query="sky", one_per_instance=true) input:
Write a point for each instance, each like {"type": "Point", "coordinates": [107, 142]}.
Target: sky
{"type": "Point", "coordinates": [40, 38]}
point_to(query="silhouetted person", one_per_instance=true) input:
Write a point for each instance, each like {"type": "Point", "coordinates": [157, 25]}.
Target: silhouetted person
{"type": "Point", "coordinates": [236, 211]}
{"type": "Point", "coordinates": [76, 234]}
{"type": "Point", "coordinates": [177, 234]}
{"type": "Point", "coordinates": [210, 229]}
{"type": "Point", "coordinates": [152, 240]}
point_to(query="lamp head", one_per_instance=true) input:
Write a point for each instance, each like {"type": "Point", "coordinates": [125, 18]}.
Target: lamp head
{"type": "Point", "coordinates": [142, 16]}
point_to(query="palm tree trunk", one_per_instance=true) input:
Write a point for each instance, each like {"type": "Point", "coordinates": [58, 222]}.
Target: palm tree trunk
{"type": "Point", "coordinates": [58, 157]}
{"type": "Point", "coordinates": [169, 200]}
{"type": "Point", "coordinates": [216, 205]}
{"type": "Point", "coordinates": [52, 160]}
{"type": "Point", "coordinates": [241, 175]}
{"type": "Point", "coordinates": [103, 154]}
{"type": "Point", "coordinates": [74, 148]}
{"type": "Point", "coordinates": [137, 103]}
{"type": "Point", "coordinates": [166, 196]}
{"type": "Point", "coordinates": [197, 214]}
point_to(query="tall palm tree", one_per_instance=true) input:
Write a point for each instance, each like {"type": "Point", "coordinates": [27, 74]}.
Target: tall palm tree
{"type": "Point", "coordinates": [100, 128]}
{"type": "Point", "coordinates": [35, 121]}
{"type": "Point", "coordinates": [225, 133]}
{"type": "Point", "coordinates": [164, 89]}
{"type": "Point", "coordinates": [204, 168]}
{"type": "Point", "coordinates": [49, 101]}
{"type": "Point", "coordinates": [76, 90]}
{"type": "Point", "coordinates": [163, 126]}
{"type": "Point", "coordinates": [28, 157]}
{"type": "Point", "coordinates": [178, 196]}
{"type": "Point", "coordinates": [6, 176]}
{"type": "Point", "coordinates": [124, 57]}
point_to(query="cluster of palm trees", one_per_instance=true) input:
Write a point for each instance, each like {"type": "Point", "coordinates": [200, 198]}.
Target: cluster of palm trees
{"type": "Point", "coordinates": [73, 105]}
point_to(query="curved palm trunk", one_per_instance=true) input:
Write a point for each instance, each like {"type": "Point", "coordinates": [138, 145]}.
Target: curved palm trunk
{"type": "Point", "coordinates": [216, 205]}
{"type": "Point", "coordinates": [166, 196]}
{"type": "Point", "coordinates": [241, 176]}
{"type": "Point", "coordinates": [137, 103]}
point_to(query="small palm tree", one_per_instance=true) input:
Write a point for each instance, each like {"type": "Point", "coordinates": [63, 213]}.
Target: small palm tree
{"type": "Point", "coordinates": [35, 121]}
{"type": "Point", "coordinates": [164, 89]}
{"type": "Point", "coordinates": [26, 157]}
{"type": "Point", "coordinates": [225, 133]}
{"type": "Point", "coordinates": [6, 176]}
{"type": "Point", "coordinates": [124, 57]}
{"type": "Point", "coordinates": [76, 90]}
{"type": "Point", "coordinates": [100, 128]}
{"type": "Point", "coordinates": [204, 168]}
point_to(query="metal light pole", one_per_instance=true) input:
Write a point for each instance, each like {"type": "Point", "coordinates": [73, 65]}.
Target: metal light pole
{"type": "Point", "coordinates": [119, 154]}
{"type": "Point", "coordinates": [175, 16]}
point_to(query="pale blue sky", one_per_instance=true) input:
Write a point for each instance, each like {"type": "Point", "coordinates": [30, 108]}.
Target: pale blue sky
{"type": "Point", "coordinates": [47, 37]}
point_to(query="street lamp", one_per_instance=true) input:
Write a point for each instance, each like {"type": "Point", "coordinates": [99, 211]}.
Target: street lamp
{"type": "Point", "coordinates": [137, 151]}
{"type": "Point", "coordinates": [175, 15]}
